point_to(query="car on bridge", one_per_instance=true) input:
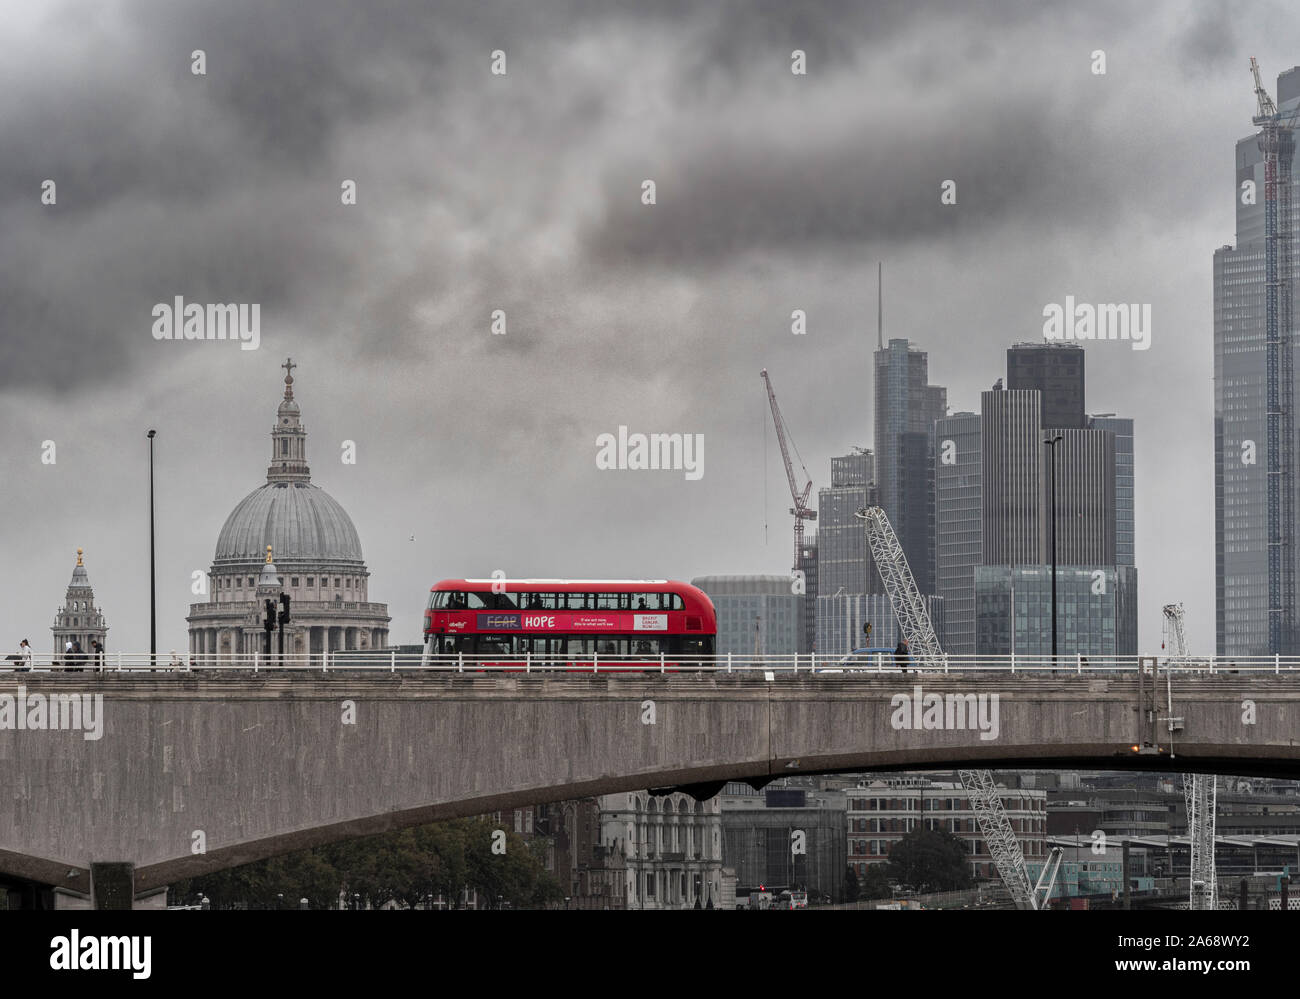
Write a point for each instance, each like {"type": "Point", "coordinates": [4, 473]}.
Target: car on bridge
{"type": "Point", "coordinates": [869, 660]}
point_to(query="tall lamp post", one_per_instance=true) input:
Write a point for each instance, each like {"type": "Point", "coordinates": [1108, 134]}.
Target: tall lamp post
{"type": "Point", "coordinates": [1052, 442]}
{"type": "Point", "coordinates": [153, 588]}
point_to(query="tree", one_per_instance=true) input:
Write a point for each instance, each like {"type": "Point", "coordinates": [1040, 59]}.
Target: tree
{"type": "Point", "coordinates": [406, 866]}
{"type": "Point", "coordinates": [930, 860]}
{"type": "Point", "coordinates": [876, 884]}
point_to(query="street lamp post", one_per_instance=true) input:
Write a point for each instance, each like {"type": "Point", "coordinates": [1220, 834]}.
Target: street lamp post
{"type": "Point", "coordinates": [1052, 442]}
{"type": "Point", "coordinates": [153, 587]}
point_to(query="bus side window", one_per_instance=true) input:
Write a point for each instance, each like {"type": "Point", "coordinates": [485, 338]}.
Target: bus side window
{"type": "Point", "coordinates": [579, 646]}
{"type": "Point", "coordinates": [677, 603]}
{"type": "Point", "coordinates": [495, 645]}
{"type": "Point", "coordinates": [477, 601]}
{"type": "Point", "coordinates": [501, 601]}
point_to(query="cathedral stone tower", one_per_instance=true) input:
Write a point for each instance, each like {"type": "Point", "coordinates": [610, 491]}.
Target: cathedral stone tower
{"type": "Point", "coordinates": [318, 561]}
{"type": "Point", "coordinates": [78, 620]}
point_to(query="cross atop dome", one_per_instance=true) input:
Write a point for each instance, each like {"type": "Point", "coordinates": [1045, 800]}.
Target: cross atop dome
{"type": "Point", "coordinates": [288, 366]}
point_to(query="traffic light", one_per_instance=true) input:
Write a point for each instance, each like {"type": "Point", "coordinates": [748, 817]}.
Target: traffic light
{"type": "Point", "coordinates": [284, 608]}
{"type": "Point", "coordinates": [866, 629]}
{"type": "Point", "coordinates": [269, 624]}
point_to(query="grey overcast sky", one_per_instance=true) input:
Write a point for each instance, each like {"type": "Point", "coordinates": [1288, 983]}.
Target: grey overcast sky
{"type": "Point", "coordinates": [522, 192]}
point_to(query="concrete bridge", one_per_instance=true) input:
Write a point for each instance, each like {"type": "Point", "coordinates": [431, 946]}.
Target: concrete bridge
{"type": "Point", "coordinates": [167, 776]}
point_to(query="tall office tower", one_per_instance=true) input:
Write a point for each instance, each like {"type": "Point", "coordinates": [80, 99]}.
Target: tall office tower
{"type": "Point", "coordinates": [1242, 457]}
{"type": "Point", "coordinates": [1122, 428]}
{"type": "Point", "coordinates": [1011, 444]}
{"type": "Point", "coordinates": [958, 524]}
{"type": "Point", "coordinates": [1055, 370]}
{"type": "Point", "coordinates": [1096, 591]}
{"type": "Point", "coordinates": [906, 409]}
{"type": "Point", "coordinates": [843, 557]}
{"type": "Point", "coordinates": [1018, 470]}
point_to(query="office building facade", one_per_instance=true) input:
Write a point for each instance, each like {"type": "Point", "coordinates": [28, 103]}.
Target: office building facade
{"type": "Point", "coordinates": [1055, 370]}
{"type": "Point", "coordinates": [841, 619]}
{"type": "Point", "coordinates": [906, 408]}
{"type": "Point", "coordinates": [1096, 610]}
{"type": "Point", "coordinates": [758, 833]}
{"type": "Point", "coordinates": [843, 557]}
{"type": "Point", "coordinates": [958, 525]}
{"type": "Point", "coordinates": [881, 812]}
{"type": "Point", "coordinates": [758, 615]}
{"type": "Point", "coordinates": [1241, 438]}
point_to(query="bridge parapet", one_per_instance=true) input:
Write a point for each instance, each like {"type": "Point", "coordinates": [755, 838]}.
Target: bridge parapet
{"type": "Point", "coordinates": [183, 773]}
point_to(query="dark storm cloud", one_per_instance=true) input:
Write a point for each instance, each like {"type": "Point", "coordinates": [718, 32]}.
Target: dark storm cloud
{"type": "Point", "coordinates": [717, 200]}
{"type": "Point", "coordinates": [221, 187]}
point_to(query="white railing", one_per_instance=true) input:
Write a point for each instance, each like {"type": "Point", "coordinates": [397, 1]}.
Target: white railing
{"type": "Point", "coordinates": [828, 666]}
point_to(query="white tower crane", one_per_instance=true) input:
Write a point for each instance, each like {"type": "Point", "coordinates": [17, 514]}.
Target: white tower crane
{"type": "Point", "coordinates": [1200, 792]}
{"type": "Point", "coordinates": [914, 621]}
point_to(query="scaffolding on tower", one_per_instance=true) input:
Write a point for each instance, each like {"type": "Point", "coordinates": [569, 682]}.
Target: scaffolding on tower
{"type": "Point", "coordinates": [1277, 144]}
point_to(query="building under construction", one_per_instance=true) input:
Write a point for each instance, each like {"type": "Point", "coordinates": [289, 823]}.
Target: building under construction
{"type": "Point", "coordinates": [1254, 388]}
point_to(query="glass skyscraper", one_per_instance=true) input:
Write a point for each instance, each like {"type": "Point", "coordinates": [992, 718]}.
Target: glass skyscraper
{"type": "Point", "coordinates": [1096, 610]}
{"type": "Point", "coordinates": [843, 557]}
{"type": "Point", "coordinates": [958, 514]}
{"type": "Point", "coordinates": [1241, 408]}
{"type": "Point", "coordinates": [906, 409]}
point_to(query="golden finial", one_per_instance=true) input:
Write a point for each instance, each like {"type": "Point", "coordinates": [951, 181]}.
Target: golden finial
{"type": "Point", "coordinates": [268, 555]}
{"type": "Point", "coordinates": [79, 556]}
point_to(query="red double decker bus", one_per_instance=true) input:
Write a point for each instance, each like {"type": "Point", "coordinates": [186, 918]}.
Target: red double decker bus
{"type": "Point", "coordinates": [566, 623]}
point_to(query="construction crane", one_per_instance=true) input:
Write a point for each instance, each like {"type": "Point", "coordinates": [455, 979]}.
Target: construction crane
{"type": "Point", "coordinates": [1200, 791]}
{"type": "Point", "coordinates": [914, 621]}
{"type": "Point", "coordinates": [1277, 143]}
{"type": "Point", "coordinates": [908, 604]}
{"type": "Point", "coordinates": [799, 496]}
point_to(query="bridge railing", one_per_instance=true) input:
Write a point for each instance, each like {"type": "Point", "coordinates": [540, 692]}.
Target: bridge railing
{"type": "Point", "coordinates": [827, 666]}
